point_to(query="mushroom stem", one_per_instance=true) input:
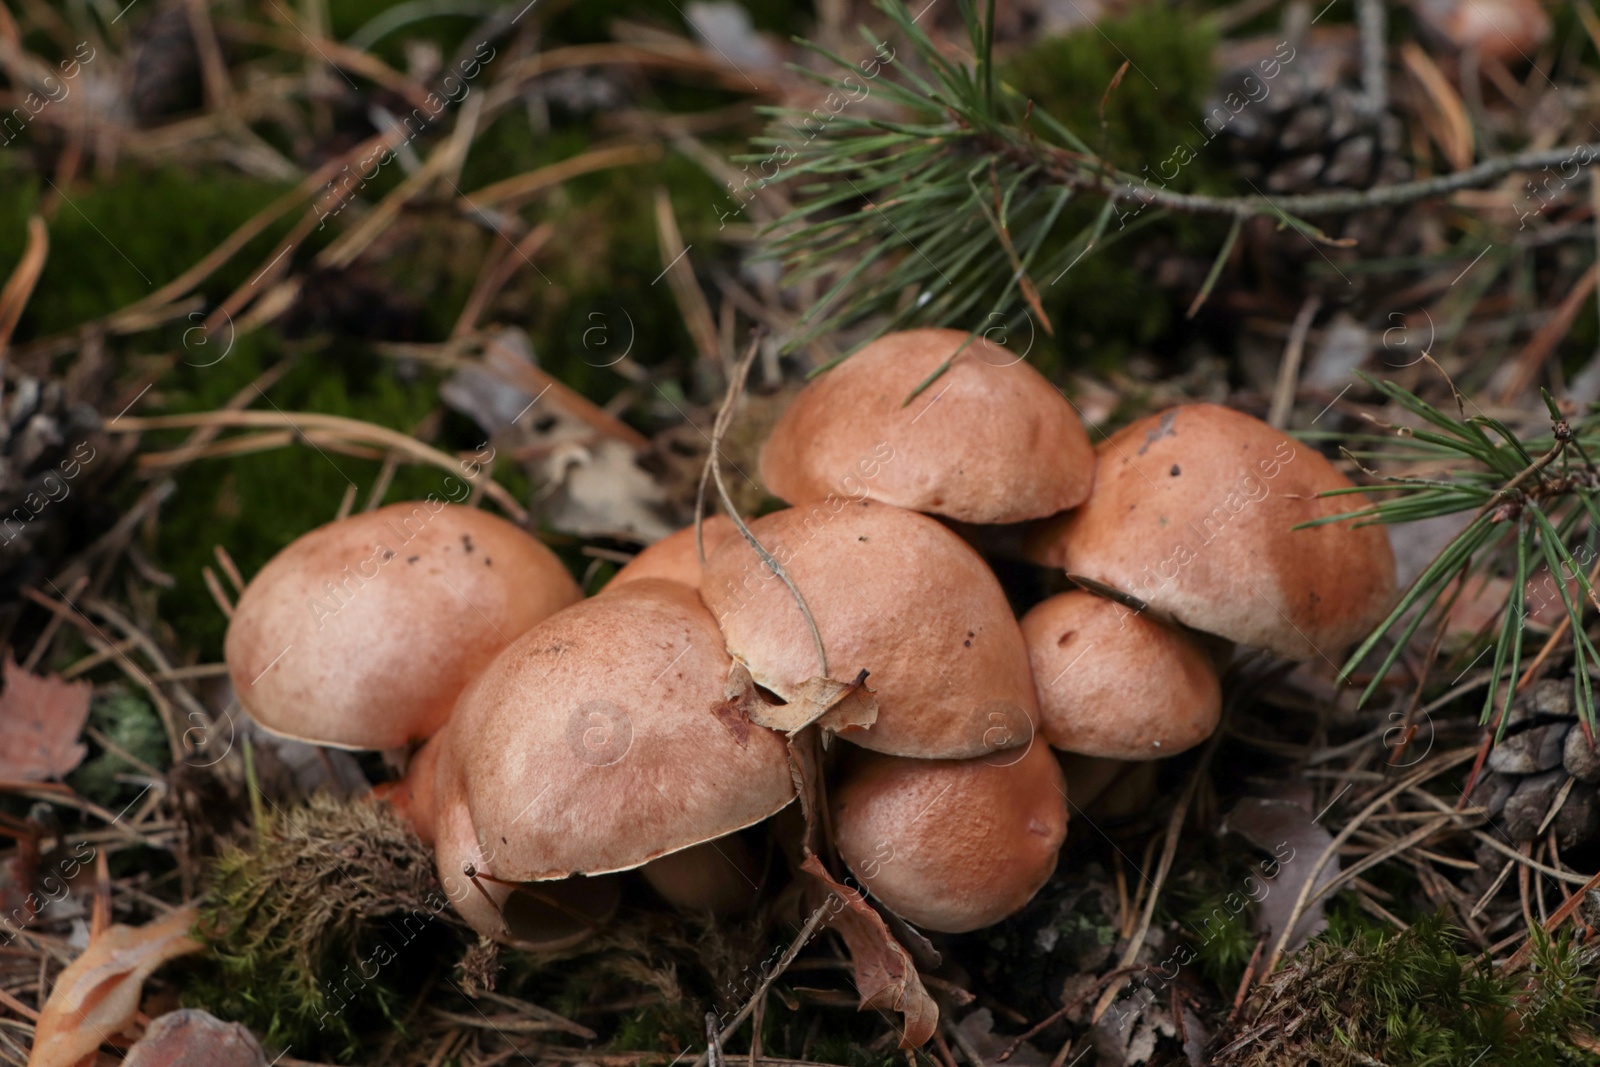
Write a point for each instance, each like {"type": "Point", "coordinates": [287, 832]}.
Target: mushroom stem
{"type": "Point", "coordinates": [721, 877]}
{"type": "Point", "coordinates": [472, 876]}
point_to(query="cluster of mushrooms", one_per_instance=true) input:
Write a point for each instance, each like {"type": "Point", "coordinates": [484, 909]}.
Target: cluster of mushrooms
{"type": "Point", "coordinates": [555, 741]}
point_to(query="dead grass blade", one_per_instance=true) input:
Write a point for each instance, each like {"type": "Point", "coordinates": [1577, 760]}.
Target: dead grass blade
{"type": "Point", "coordinates": [349, 430]}
{"type": "Point", "coordinates": [19, 287]}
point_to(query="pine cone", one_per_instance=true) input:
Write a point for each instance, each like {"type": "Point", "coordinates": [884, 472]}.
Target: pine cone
{"type": "Point", "coordinates": [166, 68]}
{"type": "Point", "coordinates": [1542, 748]}
{"type": "Point", "coordinates": [1293, 120]}
{"type": "Point", "coordinates": [52, 451]}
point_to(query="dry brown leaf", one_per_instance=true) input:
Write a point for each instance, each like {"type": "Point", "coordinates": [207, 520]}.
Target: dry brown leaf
{"type": "Point", "coordinates": [832, 705]}
{"type": "Point", "coordinates": [885, 976]}
{"type": "Point", "coordinates": [1287, 830]}
{"type": "Point", "coordinates": [190, 1037]}
{"type": "Point", "coordinates": [97, 996]}
{"type": "Point", "coordinates": [738, 704]}
{"type": "Point", "coordinates": [40, 720]}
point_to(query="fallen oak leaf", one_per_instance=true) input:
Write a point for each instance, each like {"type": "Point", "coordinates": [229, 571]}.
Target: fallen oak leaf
{"type": "Point", "coordinates": [97, 996]}
{"type": "Point", "coordinates": [41, 718]}
{"type": "Point", "coordinates": [885, 975]}
{"type": "Point", "coordinates": [743, 706]}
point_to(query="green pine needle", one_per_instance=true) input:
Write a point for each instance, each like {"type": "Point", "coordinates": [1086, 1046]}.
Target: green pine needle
{"type": "Point", "coordinates": [1532, 505]}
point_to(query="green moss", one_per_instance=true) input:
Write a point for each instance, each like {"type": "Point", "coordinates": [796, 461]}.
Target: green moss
{"type": "Point", "coordinates": [605, 275]}
{"type": "Point", "coordinates": [1411, 999]}
{"type": "Point", "coordinates": [1154, 109]}
{"type": "Point", "coordinates": [323, 928]}
{"type": "Point", "coordinates": [1103, 307]}
{"type": "Point", "coordinates": [255, 504]}
{"type": "Point", "coordinates": [118, 240]}
{"type": "Point", "coordinates": [130, 722]}
{"type": "Point", "coordinates": [659, 1027]}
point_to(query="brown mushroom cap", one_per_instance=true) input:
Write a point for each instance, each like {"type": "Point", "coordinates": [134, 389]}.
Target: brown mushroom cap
{"type": "Point", "coordinates": [675, 557]}
{"type": "Point", "coordinates": [990, 441]}
{"type": "Point", "coordinates": [362, 633]}
{"type": "Point", "coordinates": [1193, 511]}
{"type": "Point", "coordinates": [594, 743]}
{"type": "Point", "coordinates": [894, 593]}
{"type": "Point", "coordinates": [1116, 683]}
{"type": "Point", "coordinates": [953, 845]}
{"type": "Point", "coordinates": [543, 917]}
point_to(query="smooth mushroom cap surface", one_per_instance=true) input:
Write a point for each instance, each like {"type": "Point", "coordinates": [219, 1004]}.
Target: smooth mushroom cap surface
{"type": "Point", "coordinates": [990, 441]}
{"type": "Point", "coordinates": [601, 739]}
{"type": "Point", "coordinates": [362, 633]}
{"type": "Point", "coordinates": [1193, 511]}
{"type": "Point", "coordinates": [894, 593]}
{"type": "Point", "coordinates": [675, 557]}
{"type": "Point", "coordinates": [1116, 683]}
{"type": "Point", "coordinates": [953, 845]}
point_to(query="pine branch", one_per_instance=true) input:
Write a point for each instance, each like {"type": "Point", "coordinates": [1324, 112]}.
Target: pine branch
{"type": "Point", "coordinates": [958, 201]}
{"type": "Point", "coordinates": [1063, 168]}
{"type": "Point", "coordinates": [1530, 504]}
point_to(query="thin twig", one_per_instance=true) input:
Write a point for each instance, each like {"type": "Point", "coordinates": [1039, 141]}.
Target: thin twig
{"type": "Point", "coordinates": [1289, 370]}
{"type": "Point", "coordinates": [353, 429]}
{"type": "Point", "coordinates": [818, 915]}
{"type": "Point", "coordinates": [1068, 168]}
{"type": "Point", "coordinates": [1443, 764]}
{"type": "Point", "coordinates": [714, 465]}
{"type": "Point", "coordinates": [1169, 850]}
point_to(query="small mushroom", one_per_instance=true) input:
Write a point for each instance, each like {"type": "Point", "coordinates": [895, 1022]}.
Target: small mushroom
{"type": "Point", "coordinates": [893, 593]}
{"type": "Point", "coordinates": [1116, 683]}
{"type": "Point", "coordinates": [362, 633]}
{"type": "Point", "coordinates": [1506, 31]}
{"type": "Point", "coordinates": [1193, 511]}
{"type": "Point", "coordinates": [603, 738]}
{"type": "Point", "coordinates": [989, 441]}
{"type": "Point", "coordinates": [676, 557]}
{"type": "Point", "coordinates": [953, 845]}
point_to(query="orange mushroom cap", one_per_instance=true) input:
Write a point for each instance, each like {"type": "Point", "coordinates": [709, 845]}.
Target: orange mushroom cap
{"type": "Point", "coordinates": [990, 441]}
{"type": "Point", "coordinates": [595, 744]}
{"type": "Point", "coordinates": [543, 917]}
{"type": "Point", "coordinates": [953, 845]}
{"type": "Point", "coordinates": [362, 633]}
{"type": "Point", "coordinates": [1116, 683]}
{"type": "Point", "coordinates": [896, 594]}
{"type": "Point", "coordinates": [676, 556]}
{"type": "Point", "coordinates": [1193, 511]}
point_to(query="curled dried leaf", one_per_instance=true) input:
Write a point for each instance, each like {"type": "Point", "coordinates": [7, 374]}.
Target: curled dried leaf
{"type": "Point", "coordinates": [97, 996]}
{"type": "Point", "coordinates": [833, 705]}
{"type": "Point", "coordinates": [885, 975]}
